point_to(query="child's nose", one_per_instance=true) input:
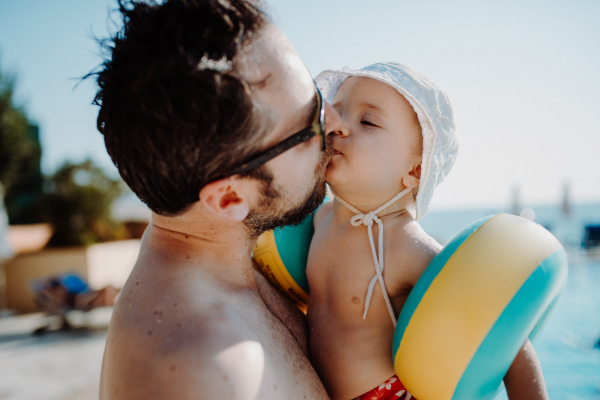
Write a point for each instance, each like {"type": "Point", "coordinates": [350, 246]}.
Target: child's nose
{"type": "Point", "coordinates": [333, 122]}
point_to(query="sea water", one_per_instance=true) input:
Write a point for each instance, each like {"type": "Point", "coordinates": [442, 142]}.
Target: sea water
{"type": "Point", "coordinates": [567, 347]}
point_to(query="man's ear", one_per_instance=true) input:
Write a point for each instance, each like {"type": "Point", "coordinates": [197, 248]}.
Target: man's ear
{"type": "Point", "coordinates": [223, 197]}
{"type": "Point", "coordinates": [413, 177]}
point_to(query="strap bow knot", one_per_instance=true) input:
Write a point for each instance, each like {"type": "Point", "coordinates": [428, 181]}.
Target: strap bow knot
{"type": "Point", "coordinates": [367, 220]}
{"type": "Point", "coordinates": [364, 219]}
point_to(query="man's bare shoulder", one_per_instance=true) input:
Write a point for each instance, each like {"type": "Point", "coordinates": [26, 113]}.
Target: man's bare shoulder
{"type": "Point", "coordinates": [206, 352]}
{"type": "Point", "coordinates": [322, 213]}
{"type": "Point", "coordinates": [180, 334]}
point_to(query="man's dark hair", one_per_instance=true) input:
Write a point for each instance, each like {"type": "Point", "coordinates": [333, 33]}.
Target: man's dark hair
{"type": "Point", "coordinates": [169, 126]}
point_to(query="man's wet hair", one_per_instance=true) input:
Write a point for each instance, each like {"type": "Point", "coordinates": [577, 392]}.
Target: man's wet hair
{"type": "Point", "coordinates": [170, 125]}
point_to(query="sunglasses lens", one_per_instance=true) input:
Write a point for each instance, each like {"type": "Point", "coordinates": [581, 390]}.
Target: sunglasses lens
{"type": "Point", "coordinates": [323, 137]}
{"type": "Point", "coordinates": [321, 121]}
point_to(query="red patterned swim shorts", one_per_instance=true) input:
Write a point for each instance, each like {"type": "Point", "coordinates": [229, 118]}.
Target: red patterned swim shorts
{"type": "Point", "coordinates": [392, 389]}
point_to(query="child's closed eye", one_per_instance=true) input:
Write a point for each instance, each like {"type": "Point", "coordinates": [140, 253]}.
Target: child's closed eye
{"type": "Point", "coordinates": [368, 123]}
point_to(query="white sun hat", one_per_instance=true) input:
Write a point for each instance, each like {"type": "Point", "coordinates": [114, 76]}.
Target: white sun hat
{"type": "Point", "coordinates": [434, 109]}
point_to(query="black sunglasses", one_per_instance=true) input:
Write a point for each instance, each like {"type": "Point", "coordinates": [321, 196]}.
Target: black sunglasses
{"type": "Point", "coordinates": [317, 127]}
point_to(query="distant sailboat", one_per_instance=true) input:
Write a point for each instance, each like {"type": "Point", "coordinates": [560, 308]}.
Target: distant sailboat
{"type": "Point", "coordinates": [515, 207]}
{"type": "Point", "coordinates": [566, 202]}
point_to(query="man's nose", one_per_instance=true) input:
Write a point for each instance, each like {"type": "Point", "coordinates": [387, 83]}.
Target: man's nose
{"type": "Point", "coordinates": [333, 122]}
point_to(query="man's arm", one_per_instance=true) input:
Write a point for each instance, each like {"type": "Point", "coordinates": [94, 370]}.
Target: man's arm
{"type": "Point", "coordinates": [524, 379]}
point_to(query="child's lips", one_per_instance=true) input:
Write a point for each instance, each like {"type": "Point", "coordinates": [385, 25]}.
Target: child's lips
{"type": "Point", "coordinates": [336, 152]}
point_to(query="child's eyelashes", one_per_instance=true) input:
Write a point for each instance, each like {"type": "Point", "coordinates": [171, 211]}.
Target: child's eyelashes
{"type": "Point", "coordinates": [368, 123]}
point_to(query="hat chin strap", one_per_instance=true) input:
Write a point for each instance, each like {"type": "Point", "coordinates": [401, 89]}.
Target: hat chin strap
{"type": "Point", "coordinates": [367, 220]}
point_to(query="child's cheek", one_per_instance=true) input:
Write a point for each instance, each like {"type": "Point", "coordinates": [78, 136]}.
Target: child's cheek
{"type": "Point", "coordinates": [365, 167]}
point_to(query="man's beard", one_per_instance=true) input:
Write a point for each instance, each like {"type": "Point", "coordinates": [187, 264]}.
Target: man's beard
{"type": "Point", "coordinates": [273, 211]}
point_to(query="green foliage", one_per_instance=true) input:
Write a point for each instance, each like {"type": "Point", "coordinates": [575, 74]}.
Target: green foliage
{"type": "Point", "coordinates": [19, 150]}
{"type": "Point", "coordinates": [20, 154]}
{"type": "Point", "coordinates": [78, 205]}
{"type": "Point", "coordinates": [77, 199]}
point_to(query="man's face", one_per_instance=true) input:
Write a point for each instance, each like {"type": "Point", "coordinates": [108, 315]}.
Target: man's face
{"type": "Point", "coordinates": [285, 93]}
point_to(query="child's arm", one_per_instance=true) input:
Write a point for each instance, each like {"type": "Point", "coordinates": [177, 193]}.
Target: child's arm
{"type": "Point", "coordinates": [524, 379]}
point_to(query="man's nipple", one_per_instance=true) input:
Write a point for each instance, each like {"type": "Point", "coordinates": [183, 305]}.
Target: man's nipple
{"type": "Point", "coordinates": [355, 300]}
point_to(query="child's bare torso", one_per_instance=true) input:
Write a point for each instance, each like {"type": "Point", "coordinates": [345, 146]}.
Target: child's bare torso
{"type": "Point", "coordinates": [353, 355]}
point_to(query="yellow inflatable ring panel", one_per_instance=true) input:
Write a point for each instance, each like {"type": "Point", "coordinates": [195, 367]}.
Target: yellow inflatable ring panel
{"type": "Point", "coordinates": [282, 255]}
{"type": "Point", "coordinates": [490, 288]}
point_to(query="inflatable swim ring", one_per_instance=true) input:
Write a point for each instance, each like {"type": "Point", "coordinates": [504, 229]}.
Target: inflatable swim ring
{"type": "Point", "coordinates": [282, 255]}
{"type": "Point", "coordinates": [491, 287]}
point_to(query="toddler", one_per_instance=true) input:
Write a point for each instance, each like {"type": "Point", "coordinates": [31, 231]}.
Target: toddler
{"type": "Point", "coordinates": [394, 141]}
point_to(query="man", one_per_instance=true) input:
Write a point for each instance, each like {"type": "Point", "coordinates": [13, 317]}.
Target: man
{"type": "Point", "coordinates": [197, 100]}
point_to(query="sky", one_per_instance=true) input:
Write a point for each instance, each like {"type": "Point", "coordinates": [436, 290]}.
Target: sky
{"type": "Point", "coordinates": [523, 76]}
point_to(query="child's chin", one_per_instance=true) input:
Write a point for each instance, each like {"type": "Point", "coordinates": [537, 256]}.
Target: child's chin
{"type": "Point", "coordinates": [331, 175]}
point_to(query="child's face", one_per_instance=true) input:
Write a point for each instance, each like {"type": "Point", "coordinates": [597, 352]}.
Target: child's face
{"type": "Point", "coordinates": [377, 141]}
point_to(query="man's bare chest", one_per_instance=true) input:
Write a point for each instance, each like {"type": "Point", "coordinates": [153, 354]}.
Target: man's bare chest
{"type": "Point", "coordinates": [287, 370]}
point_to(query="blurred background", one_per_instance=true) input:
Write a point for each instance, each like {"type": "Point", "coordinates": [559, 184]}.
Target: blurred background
{"type": "Point", "coordinates": [524, 80]}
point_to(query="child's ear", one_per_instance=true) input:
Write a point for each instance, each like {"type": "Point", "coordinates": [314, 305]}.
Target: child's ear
{"type": "Point", "coordinates": [224, 198]}
{"type": "Point", "coordinates": [413, 177]}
